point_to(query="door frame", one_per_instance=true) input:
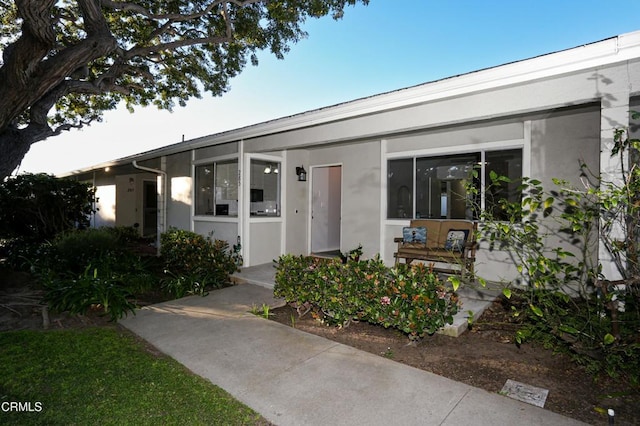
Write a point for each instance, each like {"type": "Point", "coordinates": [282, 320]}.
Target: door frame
{"type": "Point", "coordinates": [310, 202]}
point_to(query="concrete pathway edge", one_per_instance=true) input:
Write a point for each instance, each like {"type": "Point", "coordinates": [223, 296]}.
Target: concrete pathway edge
{"type": "Point", "coordinates": [295, 378]}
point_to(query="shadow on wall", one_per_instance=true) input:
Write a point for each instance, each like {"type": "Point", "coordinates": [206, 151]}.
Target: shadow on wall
{"type": "Point", "coordinates": [361, 210]}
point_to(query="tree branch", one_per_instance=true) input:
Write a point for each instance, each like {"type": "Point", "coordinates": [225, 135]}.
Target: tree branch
{"type": "Point", "coordinates": [176, 17]}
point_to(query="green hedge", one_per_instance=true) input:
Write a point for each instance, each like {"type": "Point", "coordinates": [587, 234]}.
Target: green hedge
{"type": "Point", "coordinates": [410, 298]}
{"type": "Point", "coordinates": [194, 263]}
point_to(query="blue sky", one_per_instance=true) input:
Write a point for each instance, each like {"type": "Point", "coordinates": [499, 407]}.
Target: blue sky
{"type": "Point", "coordinates": [388, 45]}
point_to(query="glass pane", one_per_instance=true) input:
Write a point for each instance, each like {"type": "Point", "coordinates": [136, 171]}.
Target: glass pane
{"type": "Point", "coordinates": [265, 188]}
{"type": "Point", "coordinates": [441, 186]}
{"type": "Point", "coordinates": [226, 189]}
{"type": "Point", "coordinates": [204, 190]}
{"type": "Point", "coordinates": [504, 163]}
{"type": "Point", "coordinates": [400, 188]}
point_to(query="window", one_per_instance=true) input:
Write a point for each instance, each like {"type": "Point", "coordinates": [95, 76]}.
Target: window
{"type": "Point", "coordinates": [265, 188]}
{"type": "Point", "coordinates": [400, 189]}
{"type": "Point", "coordinates": [439, 184]}
{"type": "Point", "coordinates": [503, 163]}
{"type": "Point", "coordinates": [217, 189]}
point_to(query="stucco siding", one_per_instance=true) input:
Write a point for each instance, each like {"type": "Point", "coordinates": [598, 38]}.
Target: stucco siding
{"type": "Point", "coordinates": [179, 190]}
{"type": "Point", "coordinates": [360, 192]}
{"type": "Point", "coordinates": [216, 151]}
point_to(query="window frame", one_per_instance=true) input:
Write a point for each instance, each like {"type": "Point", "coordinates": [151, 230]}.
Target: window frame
{"type": "Point", "coordinates": [481, 148]}
{"type": "Point", "coordinates": [214, 161]}
{"type": "Point", "coordinates": [279, 164]}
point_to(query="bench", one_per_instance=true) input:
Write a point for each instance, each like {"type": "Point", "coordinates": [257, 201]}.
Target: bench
{"type": "Point", "coordinates": [450, 245]}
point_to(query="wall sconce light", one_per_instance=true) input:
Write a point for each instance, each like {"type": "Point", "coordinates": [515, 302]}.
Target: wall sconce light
{"type": "Point", "coordinates": [302, 174]}
{"type": "Point", "coordinates": [267, 169]}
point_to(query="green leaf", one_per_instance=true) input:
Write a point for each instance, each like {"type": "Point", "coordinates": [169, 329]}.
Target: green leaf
{"type": "Point", "coordinates": [569, 329]}
{"type": "Point", "coordinates": [506, 292]}
{"type": "Point", "coordinates": [609, 339]}
{"type": "Point", "coordinates": [536, 310]}
{"type": "Point", "coordinates": [455, 282]}
{"type": "Point", "coordinates": [470, 317]}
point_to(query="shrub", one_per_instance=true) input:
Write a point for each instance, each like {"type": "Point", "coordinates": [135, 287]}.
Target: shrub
{"type": "Point", "coordinates": [569, 303]}
{"type": "Point", "coordinates": [75, 250]}
{"type": "Point", "coordinates": [40, 206]}
{"type": "Point", "coordinates": [410, 297]}
{"type": "Point", "coordinates": [71, 250]}
{"type": "Point", "coordinates": [91, 268]}
{"type": "Point", "coordinates": [193, 263]}
{"type": "Point", "coordinates": [124, 234]}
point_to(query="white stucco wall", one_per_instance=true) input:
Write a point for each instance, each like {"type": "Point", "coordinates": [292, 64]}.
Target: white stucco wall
{"type": "Point", "coordinates": [360, 191]}
{"type": "Point", "coordinates": [227, 231]}
{"type": "Point", "coordinates": [180, 190]}
{"type": "Point", "coordinates": [297, 207]}
{"type": "Point", "coordinates": [105, 214]}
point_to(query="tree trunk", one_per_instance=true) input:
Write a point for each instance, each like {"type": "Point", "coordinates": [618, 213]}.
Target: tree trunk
{"type": "Point", "coordinates": [34, 79]}
{"type": "Point", "coordinates": [13, 148]}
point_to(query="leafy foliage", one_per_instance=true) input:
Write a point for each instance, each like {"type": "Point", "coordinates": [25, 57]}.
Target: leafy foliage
{"type": "Point", "coordinates": [89, 269]}
{"type": "Point", "coordinates": [568, 302]}
{"type": "Point", "coordinates": [65, 62]}
{"type": "Point", "coordinates": [194, 263]}
{"type": "Point", "coordinates": [40, 206]}
{"type": "Point", "coordinates": [96, 287]}
{"type": "Point", "coordinates": [409, 297]}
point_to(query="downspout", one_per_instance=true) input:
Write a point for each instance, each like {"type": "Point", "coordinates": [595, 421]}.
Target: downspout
{"type": "Point", "coordinates": [163, 200]}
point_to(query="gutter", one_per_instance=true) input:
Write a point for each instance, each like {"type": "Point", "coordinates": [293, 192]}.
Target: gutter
{"type": "Point", "coordinates": [162, 218]}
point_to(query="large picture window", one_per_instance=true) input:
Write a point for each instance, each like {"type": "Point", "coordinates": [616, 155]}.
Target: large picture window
{"type": "Point", "coordinates": [217, 189]}
{"type": "Point", "coordinates": [436, 186]}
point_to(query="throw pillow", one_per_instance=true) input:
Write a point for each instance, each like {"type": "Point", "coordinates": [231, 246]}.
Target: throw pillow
{"type": "Point", "coordinates": [456, 239]}
{"type": "Point", "coordinates": [414, 235]}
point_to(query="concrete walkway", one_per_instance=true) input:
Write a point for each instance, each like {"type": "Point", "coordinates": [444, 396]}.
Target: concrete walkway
{"type": "Point", "coordinates": [295, 378]}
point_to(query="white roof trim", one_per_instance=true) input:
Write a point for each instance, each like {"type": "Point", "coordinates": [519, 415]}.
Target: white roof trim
{"type": "Point", "coordinates": [612, 50]}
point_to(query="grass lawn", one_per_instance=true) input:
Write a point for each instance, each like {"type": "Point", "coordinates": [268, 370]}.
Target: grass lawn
{"type": "Point", "coordinates": [104, 376]}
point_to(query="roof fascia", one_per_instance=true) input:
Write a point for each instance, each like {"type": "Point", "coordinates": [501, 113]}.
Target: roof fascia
{"type": "Point", "coordinates": [598, 54]}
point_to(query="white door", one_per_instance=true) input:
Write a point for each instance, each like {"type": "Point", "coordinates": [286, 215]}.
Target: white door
{"type": "Point", "coordinates": [326, 208]}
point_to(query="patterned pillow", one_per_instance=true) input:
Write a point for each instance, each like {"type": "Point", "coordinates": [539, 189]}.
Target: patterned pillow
{"type": "Point", "coordinates": [456, 239]}
{"type": "Point", "coordinates": [414, 235]}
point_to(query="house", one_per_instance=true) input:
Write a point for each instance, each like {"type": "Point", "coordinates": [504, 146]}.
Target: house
{"type": "Point", "coordinates": [371, 164]}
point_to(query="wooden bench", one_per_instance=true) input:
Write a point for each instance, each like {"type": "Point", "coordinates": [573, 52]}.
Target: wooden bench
{"type": "Point", "coordinates": [450, 245]}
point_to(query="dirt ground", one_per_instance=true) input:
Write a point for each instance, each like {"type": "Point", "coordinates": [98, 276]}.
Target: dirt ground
{"type": "Point", "coordinates": [486, 357]}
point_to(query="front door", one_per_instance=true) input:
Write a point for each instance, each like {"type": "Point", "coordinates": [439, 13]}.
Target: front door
{"type": "Point", "coordinates": [326, 208]}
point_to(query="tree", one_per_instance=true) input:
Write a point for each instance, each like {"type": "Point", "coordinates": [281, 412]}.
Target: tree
{"type": "Point", "coordinates": [65, 62]}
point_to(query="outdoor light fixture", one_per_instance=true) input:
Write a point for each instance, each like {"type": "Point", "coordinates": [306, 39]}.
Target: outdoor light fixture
{"type": "Point", "coordinates": [271, 169]}
{"type": "Point", "coordinates": [302, 174]}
